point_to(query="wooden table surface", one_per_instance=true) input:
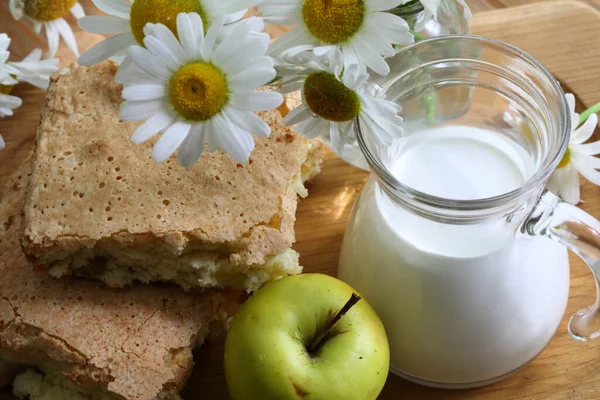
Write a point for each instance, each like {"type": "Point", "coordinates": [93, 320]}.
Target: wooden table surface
{"type": "Point", "coordinates": [565, 36]}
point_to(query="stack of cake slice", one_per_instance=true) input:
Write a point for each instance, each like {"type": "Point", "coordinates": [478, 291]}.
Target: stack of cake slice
{"type": "Point", "coordinates": [89, 204]}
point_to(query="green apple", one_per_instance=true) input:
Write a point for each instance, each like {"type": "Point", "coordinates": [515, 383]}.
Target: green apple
{"type": "Point", "coordinates": [307, 336]}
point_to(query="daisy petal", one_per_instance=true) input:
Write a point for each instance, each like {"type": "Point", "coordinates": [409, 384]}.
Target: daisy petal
{"type": "Point", "coordinates": [252, 51]}
{"type": "Point", "coordinates": [118, 8]}
{"type": "Point", "coordinates": [370, 57]}
{"type": "Point", "coordinates": [588, 172]}
{"type": "Point", "coordinates": [432, 6]}
{"type": "Point", "coordinates": [34, 56]}
{"type": "Point", "coordinates": [383, 19]}
{"type": "Point", "coordinates": [295, 37]}
{"type": "Point", "coordinates": [170, 140]}
{"type": "Point", "coordinates": [233, 48]}
{"type": "Point", "coordinates": [397, 33]}
{"type": "Point", "coordinates": [148, 63]}
{"type": "Point", "coordinates": [10, 102]}
{"type": "Point", "coordinates": [297, 115]}
{"type": "Point", "coordinates": [102, 24]}
{"type": "Point", "coordinates": [313, 128]}
{"type": "Point", "coordinates": [53, 38]}
{"type": "Point", "coordinates": [230, 138]}
{"type": "Point", "coordinates": [191, 35]}
{"type": "Point", "coordinates": [251, 79]}
{"type": "Point", "coordinates": [2, 143]}
{"type": "Point", "coordinates": [5, 112]}
{"type": "Point", "coordinates": [466, 10]}
{"type": "Point", "coordinates": [585, 131]}
{"type": "Point", "coordinates": [64, 29]}
{"type": "Point", "coordinates": [592, 161]}
{"type": "Point", "coordinates": [8, 81]}
{"type": "Point", "coordinates": [591, 149]}
{"type": "Point", "coordinates": [138, 110]}
{"type": "Point", "coordinates": [235, 6]}
{"type": "Point", "coordinates": [254, 24]}
{"type": "Point", "coordinates": [77, 11]}
{"type": "Point", "coordinates": [119, 57]}
{"type": "Point", "coordinates": [334, 137]}
{"type": "Point", "coordinates": [292, 87]}
{"type": "Point", "coordinates": [37, 27]}
{"type": "Point", "coordinates": [569, 188]}
{"type": "Point", "coordinates": [144, 92]}
{"type": "Point", "coordinates": [16, 8]}
{"type": "Point", "coordinates": [107, 48]}
{"type": "Point", "coordinates": [4, 43]}
{"type": "Point", "coordinates": [231, 18]}
{"type": "Point", "coordinates": [249, 121]}
{"type": "Point", "coordinates": [322, 50]}
{"type": "Point", "coordinates": [351, 76]}
{"type": "Point", "coordinates": [168, 39]}
{"type": "Point", "coordinates": [193, 146]}
{"type": "Point", "coordinates": [281, 13]}
{"type": "Point", "coordinates": [256, 101]}
{"type": "Point", "coordinates": [211, 37]}
{"type": "Point", "coordinates": [162, 52]}
{"type": "Point", "coordinates": [571, 103]}
{"type": "Point", "coordinates": [378, 45]}
{"type": "Point", "coordinates": [132, 75]}
{"type": "Point", "coordinates": [151, 127]}
{"type": "Point", "coordinates": [125, 65]}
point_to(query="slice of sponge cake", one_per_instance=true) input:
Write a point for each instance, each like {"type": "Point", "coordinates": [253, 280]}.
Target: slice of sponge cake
{"type": "Point", "coordinates": [99, 207]}
{"type": "Point", "coordinates": [76, 339]}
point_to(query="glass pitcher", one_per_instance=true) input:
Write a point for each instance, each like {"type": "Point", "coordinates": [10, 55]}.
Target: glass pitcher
{"type": "Point", "coordinates": [451, 20]}
{"type": "Point", "coordinates": [469, 289]}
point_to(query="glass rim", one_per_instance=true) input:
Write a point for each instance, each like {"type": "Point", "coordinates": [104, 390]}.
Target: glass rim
{"type": "Point", "coordinates": [547, 166]}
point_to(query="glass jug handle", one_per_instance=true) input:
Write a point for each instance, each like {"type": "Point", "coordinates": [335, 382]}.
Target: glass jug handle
{"type": "Point", "coordinates": [580, 232]}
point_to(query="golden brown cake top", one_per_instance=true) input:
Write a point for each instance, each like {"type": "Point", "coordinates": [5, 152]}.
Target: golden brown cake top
{"type": "Point", "coordinates": [135, 343]}
{"type": "Point", "coordinates": [90, 182]}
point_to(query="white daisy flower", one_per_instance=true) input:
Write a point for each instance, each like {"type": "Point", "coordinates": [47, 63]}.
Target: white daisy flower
{"type": "Point", "coordinates": [333, 96]}
{"type": "Point", "coordinates": [433, 6]}
{"type": "Point", "coordinates": [358, 28]}
{"type": "Point", "coordinates": [50, 15]}
{"type": "Point", "coordinates": [127, 19]}
{"type": "Point", "coordinates": [578, 159]}
{"type": "Point", "coordinates": [196, 91]}
{"type": "Point", "coordinates": [7, 102]}
{"type": "Point", "coordinates": [31, 69]}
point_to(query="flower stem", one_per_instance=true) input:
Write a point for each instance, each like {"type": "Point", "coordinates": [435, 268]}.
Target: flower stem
{"type": "Point", "coordinates": [430, 101]}
{"type": "Point", "coordinates": [418, 37]}
{"type": "Point", "coordinates": [586, 114]}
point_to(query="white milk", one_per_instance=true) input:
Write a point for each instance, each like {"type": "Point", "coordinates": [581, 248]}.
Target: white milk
{"type": "Point", "coordinates": [463, 305]}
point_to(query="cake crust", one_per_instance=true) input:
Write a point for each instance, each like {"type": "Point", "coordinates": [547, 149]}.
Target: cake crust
{"type": "Point", "coordinates": [93, 191]}
{"type": "Point", "coordinates": [123, 344]}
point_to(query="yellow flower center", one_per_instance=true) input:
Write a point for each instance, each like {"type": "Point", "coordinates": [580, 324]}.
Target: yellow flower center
{"type": "Point", "coordinates": [565, 160]}
{"type": "Point", "coordinates": [329, 98]}
{"type": "Point", "coordinates": [161, 11]}
{"type": "Point", "coordinates": [198, 91]}
{"type": "Point", "coordinates": [6, 89]}
{"type": "Point", "coordinates": [333, 21]}
{"type": "Point", "coordinates": [48, 10]}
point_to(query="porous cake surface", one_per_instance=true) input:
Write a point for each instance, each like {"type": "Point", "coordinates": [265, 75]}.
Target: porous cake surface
{"type": "Point", "coordinates": [95, 195]}
{"type": "Point", "coordinates": [107, 344]}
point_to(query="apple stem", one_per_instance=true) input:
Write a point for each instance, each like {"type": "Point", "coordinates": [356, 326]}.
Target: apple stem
{"type": "Point", "coordinates": [314, 346]}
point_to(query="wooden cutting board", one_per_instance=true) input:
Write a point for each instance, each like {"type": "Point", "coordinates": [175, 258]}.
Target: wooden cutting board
{"type": "Point", "coordinates": [563, 35]}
